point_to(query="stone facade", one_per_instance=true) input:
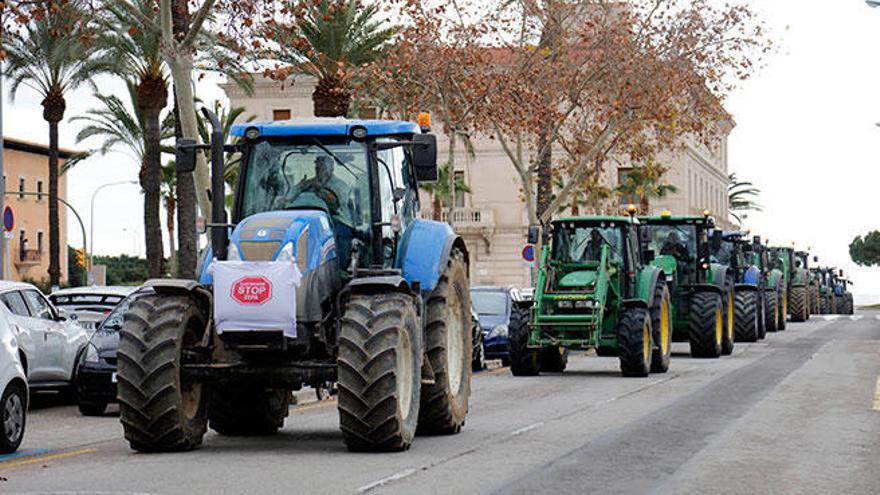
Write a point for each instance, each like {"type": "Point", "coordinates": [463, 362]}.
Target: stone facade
{"type": "Point", "coordinates": [492, 218]}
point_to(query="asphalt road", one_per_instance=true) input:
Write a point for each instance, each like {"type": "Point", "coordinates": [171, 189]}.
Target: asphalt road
{"type": "Point", "coordinates": [798, 413]}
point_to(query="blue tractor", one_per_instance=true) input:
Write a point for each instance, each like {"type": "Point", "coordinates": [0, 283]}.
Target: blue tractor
{"type": "Point", "coordinates": [736, 251]}
{"type": "Point", "coordinates": [325, 274]}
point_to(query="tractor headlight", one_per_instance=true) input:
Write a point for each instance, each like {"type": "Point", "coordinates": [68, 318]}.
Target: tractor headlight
{"type": "Point", "coordinates": [232, 253]}
{"type": "Point", "coordinates": [585, 304]}
{"type": "Point", "coordinates": [565, 304]}
{"type": "Point", "coordinates": [499, 331]}
{"type": "Point", "coordinates": [286, 253]}
{"type": "Point", "coordinates": [91, 354]}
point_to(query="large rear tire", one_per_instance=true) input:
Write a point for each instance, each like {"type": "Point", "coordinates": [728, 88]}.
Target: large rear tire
{"type": "Point", "coordinates": [634, 342]}
{"type": "Point", "coordinates": [800, 310]}
{"type": "Point", "coordinates": [823, 305]}
{"type": "Point", "coordinates": [523, 361]}
{"type": "Point", "coordinates": [444, 404]}
{"type": "Point", "coordinates": [814, 300]}
{"type": "Point", "coordinates": [850, 304]}
{"type": "Point", "coordinates": [248, 411]}
{"type": "Point", "coordinates": [771, 310]}
{"type": "Point", "coordinates": [380, 362]}
{"type": "Point", "coordinates": [160, 411]}
{"type": "Point", "coordinates": [746, 316]}
{"type": "Point", "coordinates": [782, 299]}
{"type": "Point", "coordinates": [706, 325]}
{"type": "Point", "coordinates": [727, 340]}
{"type": "Point", "coordinates": [661, 326]}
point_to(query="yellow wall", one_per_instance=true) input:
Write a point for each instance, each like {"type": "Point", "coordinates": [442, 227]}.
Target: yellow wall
{"type": "Point", "coordinates": [32, 213]}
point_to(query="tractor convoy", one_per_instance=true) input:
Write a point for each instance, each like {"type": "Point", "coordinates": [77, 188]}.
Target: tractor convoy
{"type": "Point", "coordinates": [326, 274]}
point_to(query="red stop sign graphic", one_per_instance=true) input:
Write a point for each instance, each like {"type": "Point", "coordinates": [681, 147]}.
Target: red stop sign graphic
{"type": "Point", "coordinates": [252, 291]}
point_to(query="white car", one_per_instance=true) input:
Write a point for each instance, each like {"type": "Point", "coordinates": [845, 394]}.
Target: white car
{"type": "Point", "coordinates": [50, 343]}
{"type": "Point", "coordinates": [90, 305]}
{"type": "Point", "coordinates": [13, 390]}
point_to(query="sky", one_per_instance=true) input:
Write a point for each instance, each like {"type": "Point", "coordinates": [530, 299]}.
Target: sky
{"type": "Point", "coordinates": [805, 135]}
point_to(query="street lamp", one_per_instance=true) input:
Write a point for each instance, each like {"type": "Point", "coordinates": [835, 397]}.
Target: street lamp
{"type": "Point", "coordinates": [92, 216]}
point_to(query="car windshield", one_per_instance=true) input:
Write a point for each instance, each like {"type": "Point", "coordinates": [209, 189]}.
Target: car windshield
{"type": "Point", "coordinates": [490, 303]}
{"type": "Point", "coordinates": [675, 240]}
{"type": "Point", "coordinates": [115, 318]}
{"type": "Point", "coordinates": [309, 174]}
{"type": "Point", "coordinates": [573, 243]}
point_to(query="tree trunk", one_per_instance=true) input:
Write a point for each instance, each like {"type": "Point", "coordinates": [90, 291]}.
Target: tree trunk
{"type": "Point", "coordinates": [545, 179]}
{"type": "Point", "coordinates": [331, 98]}
{"type": "Point", "coordinates": [187, 238]}
{"type": "Point", "coordinates": [152, 97]}
{"type": "Point", "coordinates": [170, 206]}
{"type": "Point", "coordinates": [54, 106]}
{"type": "Point", "coordinates": [437, 208]}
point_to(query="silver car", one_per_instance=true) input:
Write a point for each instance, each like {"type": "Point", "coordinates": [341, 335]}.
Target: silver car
{"type": "Point", "coordinates": [90, 305]}
{"type": "Point", "coordinates": [13, 390]}
{"type": "Point", "coordinates": [49, 341]}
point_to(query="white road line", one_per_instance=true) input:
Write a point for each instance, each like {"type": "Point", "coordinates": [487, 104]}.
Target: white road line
{"type": "Point", "coordinates": [384, 481]}
{"type": "Point", "coordinates": [877, 395]}
{"type": "Point", "coordinates": [525, 429]}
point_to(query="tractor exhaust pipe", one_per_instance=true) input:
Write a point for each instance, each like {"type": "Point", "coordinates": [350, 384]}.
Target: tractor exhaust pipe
{"type": "Point", "coordinates": [219, 224]}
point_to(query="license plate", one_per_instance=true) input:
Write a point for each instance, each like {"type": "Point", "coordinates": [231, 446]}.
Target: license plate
{"type": "Point", "coordinates": [113, 378]}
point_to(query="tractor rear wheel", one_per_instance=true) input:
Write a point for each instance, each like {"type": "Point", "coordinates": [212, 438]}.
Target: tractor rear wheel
{"type": "Point", "coordinates": [850, 305]}
{"type": "Point", "coordinates": [159, 409]}
{"type": "Point", "coordinates": [449, 349]}
{"type": "Point", "coordinates": [247, 411]}
{"type": "Point", "coordinates": [823, 305]}
{"type": "Point", "coordinates": [762, 313]}
{"type": "Point", "coordinates": [727, 340]}
{"type": "Point", "coordinates": [771, 310]}
{"type": "Point", "coordinates": [661, 325]}
{"type": "Point", "coordinates": [634, 342]}
{"type": "Point", "coordinates": [746, 316]}
{"type": "Point", "coordinates": [706, 325]}
{"type": "Point", "coordinates": [782, 300]}
{"type": "Point", "coordinates": [814, 300]}
{"type": "Point", "coordinates": [554, 359]}
{"type": "Point", "coordinates": [523, 361]}
{"type": "Point", "coordinates": [379, 367]}
{"type": "Point", "coordinates": [800, 310]}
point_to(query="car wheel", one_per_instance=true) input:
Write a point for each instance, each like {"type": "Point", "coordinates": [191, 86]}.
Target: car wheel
{"type": "Point", "coordinates": [13, 416]}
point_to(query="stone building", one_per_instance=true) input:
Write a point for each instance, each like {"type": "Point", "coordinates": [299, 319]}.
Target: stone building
{"type": "Point", "coordinates": [492, 218]}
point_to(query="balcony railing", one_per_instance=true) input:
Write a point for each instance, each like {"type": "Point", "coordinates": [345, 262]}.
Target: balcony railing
{"type": "Point", "coordinates": [465, 218]}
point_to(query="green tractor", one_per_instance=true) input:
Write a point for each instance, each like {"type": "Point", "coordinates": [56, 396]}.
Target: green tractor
{"type": "Point", "coordinates": [702, 291]}
{"type": "Point", "coordinates": [827, 297]}
{"type": "Point", "coordinates": [594, 291]}
{"type": "Point", "coordinates": [796, 280]}
{"type": "Point", "coordinates": [803, 259]}
{"type": "Point", "coordinates": [775, 293]}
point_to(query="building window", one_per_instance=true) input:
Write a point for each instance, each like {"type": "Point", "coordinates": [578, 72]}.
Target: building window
{"type": "Point", "coordinates": [39, 242]}
{"type": "Point", "coordinates": [39, 190]}
{"type": "Point", "coordinates": [21, 187]}
{"type": "Point", "coordinates": [281, 114]}
{"type": "Point", "coordinates": [459, 195]}
{"type": "Point", "coordinates": [22, 243]}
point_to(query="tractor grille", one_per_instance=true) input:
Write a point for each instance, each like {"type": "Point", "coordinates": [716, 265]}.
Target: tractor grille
{"type": "Point", "coordinates": [267, 223]}
{"type": "Point", "coordinates": [259, 251]}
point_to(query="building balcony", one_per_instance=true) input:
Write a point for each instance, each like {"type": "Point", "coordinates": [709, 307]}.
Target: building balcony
{"type": "Point", "coordinates": [470, 219]}
{"type": "Point", "coordinates": [28, 258]}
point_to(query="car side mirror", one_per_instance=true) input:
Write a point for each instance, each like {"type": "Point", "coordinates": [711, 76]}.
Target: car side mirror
{"type": "Point", "coordinates": [64, 315]}
{"type": "Point", "coordinates": [186, 155]}
{"type": "Point", "coordinates": [534, 233]}
{"type": "Point", "coordinates": [424, 156]}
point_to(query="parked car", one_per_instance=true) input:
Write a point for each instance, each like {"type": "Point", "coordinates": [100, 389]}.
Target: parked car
{"type": "Point", "coordinates": [97, 371]}
{"type": "Point", "coordinates": [50, 342]}
{"type": "Point", "coordinates": [90, 305]}
{"type": "Point", "coordinates": [13, 387]}
{"type": "Point", "coordinates": [493, 306]}
{"type": "Point", "coordinates": [479, 355]}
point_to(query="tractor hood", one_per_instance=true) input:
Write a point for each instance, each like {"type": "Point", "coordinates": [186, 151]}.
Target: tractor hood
{"type": "Point", "coordinates": [261, 237]}
{"type": "Point", "coordinates": [583, 278]}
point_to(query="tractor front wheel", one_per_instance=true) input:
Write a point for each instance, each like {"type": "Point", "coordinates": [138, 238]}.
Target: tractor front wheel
{"type": "Point", "coordinates": [634, 342]}
{"type": "Point", "coordinates": [380, 362]}
{"type": "Point", "coordinates": [800, 310]}
{"type": "Point", "coordinates": [706, 325]}
{"type": "Point", "coordinates": [523, 361]}
{"type": "Point", "coordinates": [449, 349]}
{"type": "Point", "coordinates": [160, 410]}
{"type": "Point", "coordinates": [746, 316]}
{"type": "Point", "coordinates": [246, 411]}
{"type": "Point", "coordinates": [661, 326]}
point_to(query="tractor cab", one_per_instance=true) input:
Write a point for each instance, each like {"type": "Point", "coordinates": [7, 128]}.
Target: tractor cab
{"type": "Point", "coordinates": [682, 245]}
{"type": "Point", "coordinates": [736, 252]}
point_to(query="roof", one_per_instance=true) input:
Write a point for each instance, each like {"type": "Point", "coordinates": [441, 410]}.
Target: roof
{"type": "Point", "coordinates": [327, 127]}
{"type": "Point", "coordinates": [10, 285]}
{"type": "Point", "coordinates": [112, 290]}
{"type": "Point", "coordinates": [35, 148]}
{"type": "Point", "coordinates": [594, 219]}
{"type": "Point", "coordinates": [677, 219]}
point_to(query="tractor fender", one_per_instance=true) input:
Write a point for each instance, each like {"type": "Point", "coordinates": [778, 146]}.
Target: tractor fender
{"type": "Point", "coordinates": [752, 276]}
{"type": "Point", "coordinates": [373, 285]}
{"type": "Point", "coordinates": [176, 286]}
{"type": "Point", "coordinates": [745, 288]}
{"type": "Point", "coordinates": [718, 289]}
{"type": "Point", "coordinates": [774, 278]}
{"type": "Point", "coordinates": [646, 283]}
{"type": "Point", "coordinates": [799, 279]}
{"type": "Point", "coordinates": [634, 303]}
{"type": "Point", "coordinates": [718, 275]}
{"type": "Point", "coordinates": [424, 252]}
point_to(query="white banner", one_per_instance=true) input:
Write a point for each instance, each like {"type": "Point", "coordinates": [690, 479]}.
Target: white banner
{"type": "Point", "coordinates": [255, 296]}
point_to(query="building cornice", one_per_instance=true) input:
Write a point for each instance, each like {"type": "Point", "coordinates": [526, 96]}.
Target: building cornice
{"type": "Point", "coordinates": [35, 148]}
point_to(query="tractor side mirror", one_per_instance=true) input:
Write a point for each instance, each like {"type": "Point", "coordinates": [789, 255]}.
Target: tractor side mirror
{"type": "Point", "coordinates": [186, 155]}
{"type": "Point", "coordinates": [534, 233]}
{"type": "Point", "coordinates": [424, 156]}
{"type": "Point", "coordinates": [717, 239]}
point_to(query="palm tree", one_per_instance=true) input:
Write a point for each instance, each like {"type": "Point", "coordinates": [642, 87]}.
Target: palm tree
{"type": "Point", "coordinates": [742, 197]}
{"type": "Point", "coordinates": [440, 193]}
{"type": "Point", "coordinates": [330, 41]}
{"type": "Point", "coordinates": [169, 196]}
{"type": "Point", "coordinates": [53, 56]}
{"type": "Point", "coordinates": [645, 182]}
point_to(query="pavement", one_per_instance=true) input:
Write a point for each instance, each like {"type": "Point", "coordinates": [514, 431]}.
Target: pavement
{"type": "Point", "coordinates": [798, 413]}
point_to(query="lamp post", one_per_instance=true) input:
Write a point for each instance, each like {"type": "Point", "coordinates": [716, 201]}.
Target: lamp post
{"type": "Point", "coordinates": [92, 216]}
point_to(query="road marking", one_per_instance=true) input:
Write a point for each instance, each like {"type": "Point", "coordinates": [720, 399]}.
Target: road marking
{"type": "Point", "coordinates": [23, 453]}
{"type": "Point", "coordinates": [877, 395]}
{"type": "Point", "coordinates": [384, 481]}
{"type": "Point", "coordinates": [525, 429]}
{"type": "Point", "coordinates": [46, 458]}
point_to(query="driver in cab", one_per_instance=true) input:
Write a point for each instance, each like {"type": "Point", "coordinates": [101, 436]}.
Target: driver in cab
{"type": "Point", "coordinates": [333, 191]}
{"type": "Point", "coordinates": [593, 249]}
{"type": "Point", "coordinates": [675, 247]}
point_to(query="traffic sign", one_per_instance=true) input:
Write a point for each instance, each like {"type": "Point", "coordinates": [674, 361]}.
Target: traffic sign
{"type": "Point", "coordinates": [528, 253]}
{"type": "Point", "coordinates": [8, 219]}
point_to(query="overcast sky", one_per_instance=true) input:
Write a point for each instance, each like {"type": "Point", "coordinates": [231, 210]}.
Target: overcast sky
{"type": "Point", "coordinates": [805, 134]}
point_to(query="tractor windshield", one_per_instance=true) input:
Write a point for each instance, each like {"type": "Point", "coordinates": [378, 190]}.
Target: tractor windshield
{"type": "Point", "coordinates": [679, 241]}
{"type": "Point", "coordinates": [309, 174]}
{"type": "Point", "coordinates": [574, 243]}
{"type": "Point", "coordinates": [725, 253]}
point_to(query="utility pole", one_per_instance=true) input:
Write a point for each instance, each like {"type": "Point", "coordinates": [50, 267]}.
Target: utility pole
{"type": "Point", "coordinates": [2, 175]}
